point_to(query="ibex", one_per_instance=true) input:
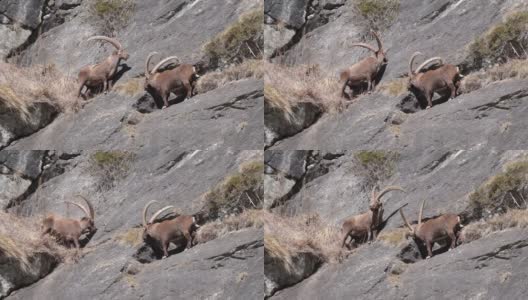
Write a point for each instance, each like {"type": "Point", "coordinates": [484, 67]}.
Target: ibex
{"type": "Point", "coordinates": [93, 76]}
{"type": "Point", "coordinates": [366, 69]}
{"type": "Point", "coordinates": [434, 230]}
{"type": "Point", "coordinates": [426, 83]}
{"type": "Point", "coordinates": [70, 230]}
{"type": "Point", "coordinates": [167, 231]}
{"type": "Point", "coordinates": [367, 223]}
{"type": "Point", "coordinates": [164, 83]}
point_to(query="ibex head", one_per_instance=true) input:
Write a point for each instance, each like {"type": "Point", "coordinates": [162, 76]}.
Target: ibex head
{"type": "Point", "coordinates": [87, 222]}
{"type": "Point", "coordinates": [119, 52]}
{"type": "Point", "coordinates": [413, 229]}
{"type": "Point", "coordinates": [149, 74]}
{"type": "Point", "coordinates": [380, 53]}
{"type": "Point", "coordinates": [414, 76]}
{"type": "Point", "coordinates": [148, 225]}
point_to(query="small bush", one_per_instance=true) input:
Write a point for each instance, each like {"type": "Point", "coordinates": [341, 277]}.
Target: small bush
{"type": "Point", "coordinates": [112, 15]}
{"type": "Point", "coordinates": [250, 68]}
{"type": "Point", "coordinates": [380, 14]}
{"type": "Point", "coordinates": [505, 40]}
{"type": "Point", "coordinates": [515, 218]}
{"type": "Point", "coordinates": [285, 87]}
{"type": "Point", "coordinates": [218, 228]}
{"type": "Point", "coordinates": [21, 87]}
{"type": "Point", "coordinates": [237, 192]}
{"type": "Point", "coordinates": [242, 40]}
{"type": "Point", "coordinates": [110, 166]}
{"type": "Point", "coordinates": [375, 166]}
{"type": "Point", "coordinates": [507, 189]}
{"type": "Point", "coordinates": [514, 69]}
{"type": "Point", "coordinates": [286, 236]}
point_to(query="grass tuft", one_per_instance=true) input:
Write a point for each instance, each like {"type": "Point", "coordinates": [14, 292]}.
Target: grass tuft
{"type": "Point", "coordinates": [112, 15]}
{"type": "Point", "coordinates": [393, 237]}
{"type": "Point", "coordinates": [132, 87]}
{"type": "Point", "coordinates": [514, 218]}
{"type": "Point", "coordinates": [513, 69]}
{"type": "Point", "coordinates": [250, 68]}
{"type": "Point", "coordinates": [132, 237]}
{"type": "Point", "coordinates": [110, 167]}
{"type": "Point", "coordinates": [375, 166]}
{"type": "Point", "coordinates": [242, 40]}
{"type": "Point", "coordinates": [380, 14]}
{"type": "Point", "coordinates": [250, 218]}
{"type": "Point", "coordinates": [396, 87]}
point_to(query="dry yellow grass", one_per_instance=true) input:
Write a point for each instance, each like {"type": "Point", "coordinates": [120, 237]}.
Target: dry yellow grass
{"type": "Point", "coordinates": [132, 237]}
{"type": "Point", "coordinates": [131, 87]}
{"type": "Point", "coordinates": [514, 218]}
{"type": "Point", "coordinates": [20, 240]}
{"type": "Point", "coordinates": [212, 230]}
{"type": "Point", "coordinates": [395, 88]}
{"type": "Point", "coordinates": [21, 87]}
{"type": "Point", "coordinates": [393, 237]}
{"type": "Point", "coordinates": [250, 68]}
{"type": "Point", "coordinates": [286, 236]}
{"type": "Point", "coordinates": [285, 87]}
{"type": "Point", "coordinates": [513, 69]}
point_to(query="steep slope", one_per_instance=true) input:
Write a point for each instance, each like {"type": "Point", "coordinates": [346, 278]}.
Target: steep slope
{"type": "Point", "coordinates": [114, 264]}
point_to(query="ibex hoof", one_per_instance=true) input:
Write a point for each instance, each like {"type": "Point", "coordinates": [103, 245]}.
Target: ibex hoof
{"type": "Point", "coordinates": [165, 256]}
{"type": "Point", "coordinates": [428, 257]}
{"type": "Point", "coordinates": [428, 107]}
{"type": "Point", "coordinates": [164, 106]}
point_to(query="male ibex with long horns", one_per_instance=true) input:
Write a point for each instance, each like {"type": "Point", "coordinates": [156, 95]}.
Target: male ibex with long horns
{"type": "Point", "coordinates": [70, 230]}
{"type": "Point", "coordinates": [164, 83]}
{"type": "Point", "coordinates": [427, 83]}
{"type": "Point", "coordinates": [434, 230]}
{"type": "Point", "coordinates": [366, 69]}
{"type": "Point", "coordinates": [93, 76]}
{"type": "Point", "coordinates": [368, 223]}
{"type": "Point", "coordinates": [167, 231]}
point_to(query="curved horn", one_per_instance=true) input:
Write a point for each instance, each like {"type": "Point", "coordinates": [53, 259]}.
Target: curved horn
{"type": "Point", "coordinates": [147, 62]}
{"type": "Point", "coordinates": [112, 41]}
{"type": "Point", "coordinates": [90, 206]}
{"type": "Point", "coordinates": [164, 61]}
{"type": "Point", "coordinates": [405, 221]}
{"type": "Point", "coordinates": [156, 214]}
{"type": "Point", "coordinates": [425, 63]}
{"type": "Point", "coordinates": [364, 46]}
{"type": "Point", "coordinates": [373, 194]}
{"type": "Point", "coordinates": [411, 61]}
{"type": "Point", "coordinates": [80, 206]}
{"type": "Point", "coordinates": [421, 213]}
{"type": "Point", "coordinates": [145, 212]}
{"type": "Point", "coordinates": [380, 44]}
{"type": "Point", "coordinates": [388, 189]}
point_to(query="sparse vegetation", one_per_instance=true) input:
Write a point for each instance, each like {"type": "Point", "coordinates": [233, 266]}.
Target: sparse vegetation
{"type": "Point", "coordinates": [380, 14]}
{"type": "Point", "coordinates": [110, 166]}
{"type": "Point", "coordinates": [237, 192]}
{"type": "Point", "coordinates": [131, 87]}
{"type": "Point", "coordinates": [375, 166]}
{"type": "Point", "coordinates": [250, 218]}
{"type": "Point", "coordinates": [508, 189]}
{"type": "Point", "coordinates": [250, 68]}
{"type": "Point", "coordinates": [112, 15]}
{"type": "Point", "coordinates": [505, 40]}
{"type": "Point", "coordinates": [242, 40]}
{"type": "Point", "coordinates": [513, 69]}
{"type": "Point", "coordinates": [285, 87]}
{"type": "Point", "coordinates": [514, 218]}
{"type": "Point", "coordinates": [393, 237]}
{"type": "Point", "coordinates": [287, 236]}
{"type": "Point", "coordinates": [132, 237]}
{"type": "Point", "coordinates": [396, 87]}
{"type": "Point", "coordinates": [22, 87]}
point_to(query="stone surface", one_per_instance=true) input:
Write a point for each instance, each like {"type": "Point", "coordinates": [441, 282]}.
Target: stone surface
{"type": "Point", "coordinates": [292, 13]}
{"type": "Point", "coordinates": [12, 37]}
{"type": "Point", "coordinates": [28, 12]}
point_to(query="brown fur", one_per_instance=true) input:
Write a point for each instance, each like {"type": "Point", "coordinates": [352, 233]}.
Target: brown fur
{"type": "Point", "coordinates": [366, 69]}
{"type": "Point", "coordinates": [69, 230]}
{"type": "Point", "coordinates": [368, 223]}
{"type": "Point", "coordinates": [169, 81]}
{"type": "Point", "coordinates": [427, 83]}
{"type": "Point", "coordinates": [168, 231]}
{"type": "Point", "coordinates": [434, 230]}
{"type": "Point", "coordinates": [94, 76]}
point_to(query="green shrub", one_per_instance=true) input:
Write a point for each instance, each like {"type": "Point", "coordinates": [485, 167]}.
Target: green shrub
{"type": "Point", "coordinates": [241, 190]}
{"type": "Point", "coordinates": [242, 40]}
{"type": "Point", "coordinates": [110, 166]}
{"type": "Point", "coordinates": [112, 15]}
{"type": "Point", "coordinates": [505, 40]}
{"type": "Point", "coordinates": [500, 192]}
{"type": "Point", "coordinates": [380, 14]}
{"type": "Point", "coordinates": [375, 166]}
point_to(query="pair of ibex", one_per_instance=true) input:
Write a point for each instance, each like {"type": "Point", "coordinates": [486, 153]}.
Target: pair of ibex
{"type": "Point", "coordinates": [369, 224]}
{"type": "Point", "coordinates": [154, 233]}
{"type": "Point", "coordinates": [158, 84]}
{"type": "Point", "coordinates": [424, 83]}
